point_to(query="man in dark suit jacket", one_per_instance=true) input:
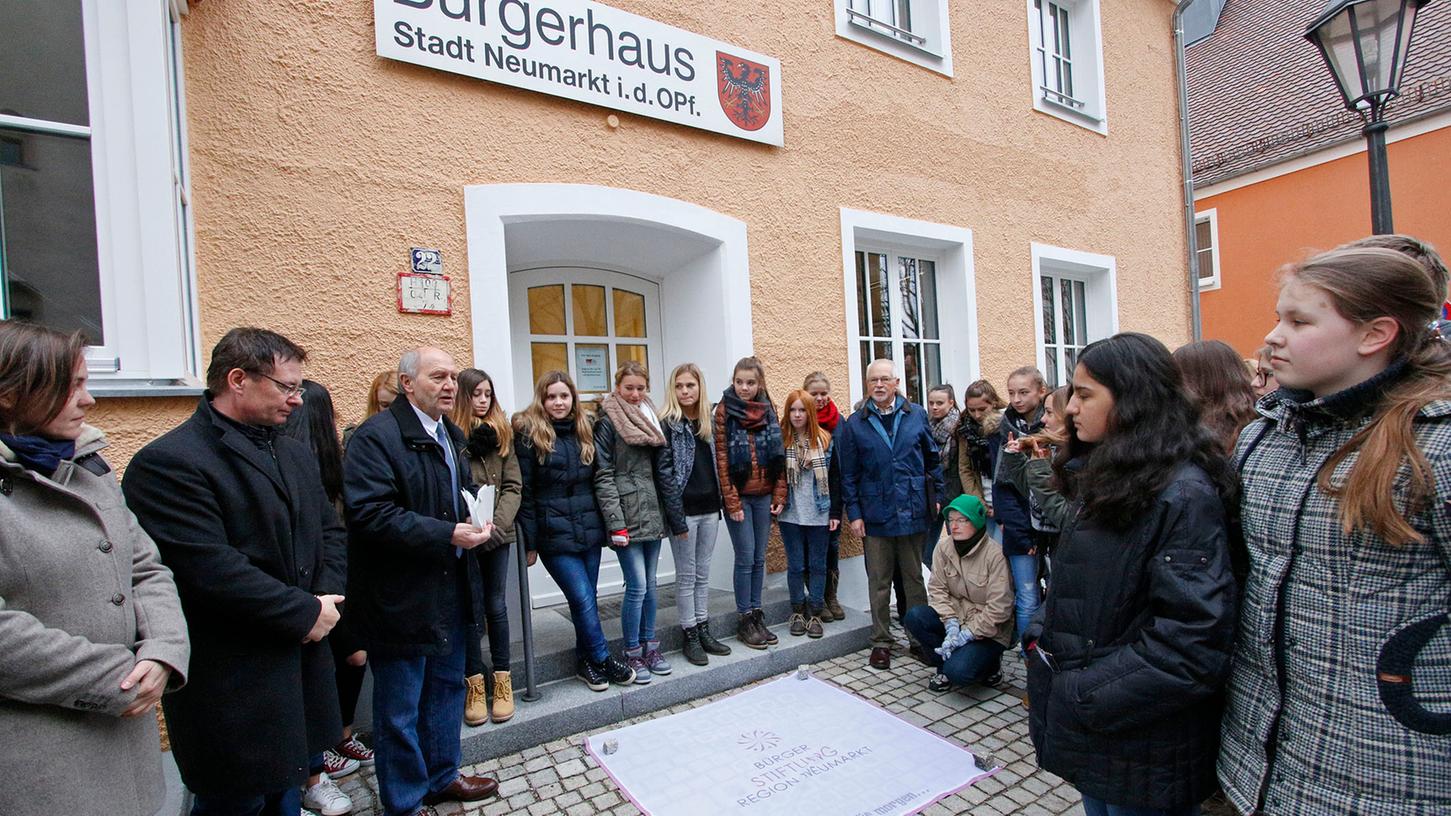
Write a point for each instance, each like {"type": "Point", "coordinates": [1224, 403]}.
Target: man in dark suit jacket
{"type": "Point", "coordinates": [239, 514]}
{"type": "Point", "coordinates": [415, 597]}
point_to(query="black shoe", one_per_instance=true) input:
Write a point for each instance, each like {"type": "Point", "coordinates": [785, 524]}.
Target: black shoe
{"type": "Point", "coordinates": [616, 670]}
{"type": "Point", "coordinates": [592, 675]}
{"type": "Point", "coordinates": [708, 641]}
{"type": "Point", "coordinates": [694, 652]}
{"type": "Point", "coordinates": [994, 679]}
{"type": "Point", "coordinates": [760, 617]}
{"type": "Point", "coordinates": [939, 684]}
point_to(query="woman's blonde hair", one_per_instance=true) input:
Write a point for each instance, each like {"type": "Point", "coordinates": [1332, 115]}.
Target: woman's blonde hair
{"type": "Point", "coordinates": [675, 412]}
{"type": "Point", "coordinates": [632, 368]}
{"type": "Point", "coordinates": [816, 436]}
{"type": "Point", "coordinates": [534, 423]}
{"type": "Point", "coordinates": [1365, 284]}
{"type": "Point", "coordinates": [387, 381]}
{"type": "Point", "coordinates": [816, 377]}
{"type": "Point", "coordinates": [463, 409]}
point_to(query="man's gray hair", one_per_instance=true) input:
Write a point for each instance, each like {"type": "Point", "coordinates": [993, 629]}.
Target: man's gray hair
{"type": "Point", "coordinates": [409, 362]}
{"type": "Point", "coordinates": [888, 363]}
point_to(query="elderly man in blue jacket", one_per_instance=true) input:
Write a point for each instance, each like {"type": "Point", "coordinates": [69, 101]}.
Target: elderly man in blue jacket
{"type": "Point", "coordinates": [891, 484]}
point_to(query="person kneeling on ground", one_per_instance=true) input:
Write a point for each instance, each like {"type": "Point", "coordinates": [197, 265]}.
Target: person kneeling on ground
{"type": "Point", "coordinates": [968, 620]}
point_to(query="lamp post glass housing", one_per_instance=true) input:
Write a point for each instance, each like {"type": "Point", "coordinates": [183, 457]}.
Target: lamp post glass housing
{"type": "Point", "coordinates": [1365, 43]}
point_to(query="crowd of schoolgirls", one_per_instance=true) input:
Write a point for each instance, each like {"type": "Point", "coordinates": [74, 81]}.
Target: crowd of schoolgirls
{"type": "Point", "coordinates": [1218, 576]}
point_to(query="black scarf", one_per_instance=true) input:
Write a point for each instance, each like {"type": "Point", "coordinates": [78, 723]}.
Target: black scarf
{"type": "Point", "coordinates": [975, 445]}
{"type": "Point", "coordinates": [38, 453]}
{"type": "Point", "coordinates": [746, 419]}
{"type": "Point", "coordinates": [966, 546]}
{"type": "Point", "coordinates": [483, 441]}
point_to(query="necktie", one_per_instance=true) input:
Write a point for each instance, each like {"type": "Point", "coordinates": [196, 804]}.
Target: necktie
{"type": "Point", "coordinates": [441, 434]}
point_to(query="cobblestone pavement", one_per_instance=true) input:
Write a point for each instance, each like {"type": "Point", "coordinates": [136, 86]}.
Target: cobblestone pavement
{"type": "Point", "coordinates": [559, 777]}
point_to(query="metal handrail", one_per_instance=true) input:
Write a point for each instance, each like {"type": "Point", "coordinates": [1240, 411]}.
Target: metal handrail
{"type": "Point", "coordinates": [526, 617]}
{"type": "Point", "coordinates": [872, 22]}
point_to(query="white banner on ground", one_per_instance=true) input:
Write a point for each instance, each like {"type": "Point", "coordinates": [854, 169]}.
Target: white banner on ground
{"type": "Point", "coordinates": [791, 746]}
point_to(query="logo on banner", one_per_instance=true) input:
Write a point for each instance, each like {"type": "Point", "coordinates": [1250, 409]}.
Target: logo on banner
{"type": "Point", "coordinates": [758, 740]}
{"type": "Point", "coordinates": [744, 90]}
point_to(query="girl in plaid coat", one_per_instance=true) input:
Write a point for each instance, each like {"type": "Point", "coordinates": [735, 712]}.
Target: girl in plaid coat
{"type": "Point", "coordinates": [1342, 668]}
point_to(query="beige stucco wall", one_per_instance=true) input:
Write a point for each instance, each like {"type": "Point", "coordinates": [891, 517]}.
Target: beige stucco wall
{"type": "Point", "coordinates": [316, 165]}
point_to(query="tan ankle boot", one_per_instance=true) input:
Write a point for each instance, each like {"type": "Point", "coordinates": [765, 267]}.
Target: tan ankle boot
{"type": "Point", "coordinates": [476, 708]}
{"type": "Point", "coordinates": [503, 707]}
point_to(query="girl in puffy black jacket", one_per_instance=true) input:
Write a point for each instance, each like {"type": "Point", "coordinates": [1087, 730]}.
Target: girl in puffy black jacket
{"type": "Point", "coordinates": [1130, 651]}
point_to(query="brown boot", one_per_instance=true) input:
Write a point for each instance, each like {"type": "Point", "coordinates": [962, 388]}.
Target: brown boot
{"type": "Point", "coordinates": [503, 707]}
{"type": "Point", "coordinates": [760, 615]}
{"type": "Point", "coordinates": [476, 704]}
{"type": "Point", "coordinates": [813, 624]}
{"type": "Point", "coordinates": [798, 620]}
{"type": "Point", "coordinates": [833, 578]}
{"type": "Point", "coordinates": [748, 633]}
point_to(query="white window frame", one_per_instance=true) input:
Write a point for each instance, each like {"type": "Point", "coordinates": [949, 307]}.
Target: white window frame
{"type": "Point", "coordinates": [924, 40]}
{"type": "Point", "coordinates": [1210, 281]}
{"type": "Point", "coordinates": [144, 233]}
{"type": "Point", "coordinates": [1086, 108]}
{"type": "Point", "coordinates": [950, 248]}
{"type": "Point", "coordinates": [1099, 274]}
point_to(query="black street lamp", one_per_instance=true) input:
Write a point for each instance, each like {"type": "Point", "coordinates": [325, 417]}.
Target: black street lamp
{"type": "Point", "coordinates": [1365, 44]}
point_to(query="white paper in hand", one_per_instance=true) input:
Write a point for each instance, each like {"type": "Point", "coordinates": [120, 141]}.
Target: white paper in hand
{"type": "Point", "coordinates": [472, 505]}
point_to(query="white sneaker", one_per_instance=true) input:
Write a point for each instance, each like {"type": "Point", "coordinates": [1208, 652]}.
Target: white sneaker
{"type": "Point", "coordinates": [325, 798]}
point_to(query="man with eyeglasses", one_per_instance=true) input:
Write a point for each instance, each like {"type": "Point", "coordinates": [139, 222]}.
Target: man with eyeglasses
{"type": "Point", "coordinates": [240, 516]}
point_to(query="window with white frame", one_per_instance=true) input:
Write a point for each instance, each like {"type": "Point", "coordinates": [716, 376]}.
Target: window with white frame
{"type": "Point", "coordinates": [1206, 248]}
{"type": "Point", "coordinates": [94, 222]}
{"type": "Point", "coordinates": [1074, 299]}
{"type": "Point", "coordinates": [914, 30]}
{"type": "Point", "coordinates": [911, 299]}
{"type": "Point", "coordinates": [1066, 45]}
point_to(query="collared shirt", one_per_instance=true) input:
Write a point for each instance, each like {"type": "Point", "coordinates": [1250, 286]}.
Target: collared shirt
{"type": "Point", "coordinates": [430, 425]}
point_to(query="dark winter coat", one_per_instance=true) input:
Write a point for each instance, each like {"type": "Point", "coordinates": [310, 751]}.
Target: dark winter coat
{"type": "Point", "coordinates": [559, 514]}
{"type": "Point", "coordinates": [891, 487]}
{"type": "Point", "coordinates": [1010, 507]}
{"type": "Point", "coordinates": [1308, 728]}
{"type": "Point", "coordinates": [249, 553]}
{"type": "Point", "coordinates": [408, 588]}
{"type": "Point", "coordinates": [635, 486]}
{"type": "Point", "coordinates": [1140, 625]}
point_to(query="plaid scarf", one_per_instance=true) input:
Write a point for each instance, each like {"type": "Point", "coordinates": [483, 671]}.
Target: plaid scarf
{"type": "Point", "coordinates": [801, 457]}
{"type": "Point", "coordinates": [942, 428]}
{"type": "Point", "coordinates": [746, 419]}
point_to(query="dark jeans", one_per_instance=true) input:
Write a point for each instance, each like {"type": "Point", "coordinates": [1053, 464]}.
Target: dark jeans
{"type": "Point", "coordinates": [1098, 807]}
{"type": "Point", "coordinates": [974, 662]}
{"type": "Point", "coordinates": [349, 678]}
{"type": "Point", "coordinates": [417, 705]}
{"type": "Point", "coordinates": [748, 539]}
{"type": "Point", "coordinates": [282, 803]}
{"type": "Point", "coordinates": [805, 545]}
{"type": "Point", "coordinates": [494, 565]}
{"type": "Point", "coordinates": [638, 563]}
{"type": "Point", "coordinates": [934, 533]}
{"type": "Point", "coordinates": [578, 576]}
{"type": "Point", "coordinates": [833, 553]}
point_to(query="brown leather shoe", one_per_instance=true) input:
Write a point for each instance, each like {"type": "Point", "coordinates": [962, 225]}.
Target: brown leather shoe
{"type": "Point", "coordinates": [881, 658]}
{"type": "Point", "coordinates": [464, 789]}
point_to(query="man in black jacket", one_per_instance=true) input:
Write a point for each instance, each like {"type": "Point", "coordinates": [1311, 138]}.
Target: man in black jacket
{"type": "Point", "coordinates": [240, 516]}
{"type": "Point", "coordinates": [414, 596]}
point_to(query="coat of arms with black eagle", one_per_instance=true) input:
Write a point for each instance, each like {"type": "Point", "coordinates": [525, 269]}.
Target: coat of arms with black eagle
{"type": "Point", "coordinates": [744, 90]}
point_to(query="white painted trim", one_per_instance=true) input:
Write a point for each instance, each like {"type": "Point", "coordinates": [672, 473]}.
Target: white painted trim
{"type": "Point", "coordinates": [1095, 117]}
{"type": "Point", "coordinates": [1304, 161]}
{"type": "Point", "coordinates": [1208, 283]}
{"type": "Point", "coordinates": [935, 56]}
{"type": "Point", "coordinates": [1100, 276]}
{"type": "Point", "coordinates": [951, 248]}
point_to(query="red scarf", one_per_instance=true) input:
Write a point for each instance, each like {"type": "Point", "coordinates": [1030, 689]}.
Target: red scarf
{"type": "Point", "coordinates": [828, 417]}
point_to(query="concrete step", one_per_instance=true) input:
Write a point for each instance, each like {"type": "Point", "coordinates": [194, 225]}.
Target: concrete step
{"type": "Point", "coordinates": [566, 706]}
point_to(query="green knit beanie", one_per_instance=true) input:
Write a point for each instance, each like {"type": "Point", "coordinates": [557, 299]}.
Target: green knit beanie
{"type": "Point", "coordinates": [970, 506]}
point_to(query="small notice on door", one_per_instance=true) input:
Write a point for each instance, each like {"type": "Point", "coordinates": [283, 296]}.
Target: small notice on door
{"type": "Point", "coordinates": [424, 294]}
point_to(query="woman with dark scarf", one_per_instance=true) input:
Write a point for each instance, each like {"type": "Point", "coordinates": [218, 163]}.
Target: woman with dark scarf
{"type": "Point", "coordinates": [750, 460]}
{"type": "Point", "coordinates": [942, 421]}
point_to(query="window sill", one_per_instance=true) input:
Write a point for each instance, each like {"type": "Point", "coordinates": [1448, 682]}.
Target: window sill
{"type": "Point", "coordinates": [103, 388]}
{"type": "Point", "coordinates": [895, 35]}
{"type": "Point", "coordinates": [1070, 114]}
{"type": "Point", "coordinates": [1208, 284]}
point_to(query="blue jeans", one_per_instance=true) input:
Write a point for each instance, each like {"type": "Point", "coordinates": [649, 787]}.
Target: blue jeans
{"type": "Point", "coordinates": [637, 616]}
{"type": "Point", "coordinates": [1024, 569]}
{"type": "Point", "coordinates": [749, 538]}
{"type": "Point", "coordinates": [972, 663]}
{"type": "Point", "coordinates": [282, 803]}
{"type": "Point", "coordinates": [1098, 807]}
{"type": "Point", "coordinates": [418, 703]}
{"type": "Point", "coordinates": [578, 575]}
{"type": "Point", "coordinates": [494, 566]}
{"type": "Point", "coordinates": [934, 533]}
{"type": "Point", "coordinates": [805, 545]}
{"type": "Point", "coordinates": [833, 552]}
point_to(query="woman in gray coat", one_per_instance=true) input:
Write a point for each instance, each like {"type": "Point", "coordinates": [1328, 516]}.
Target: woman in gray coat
{"type": "Point", "coordinates": [90, 626]}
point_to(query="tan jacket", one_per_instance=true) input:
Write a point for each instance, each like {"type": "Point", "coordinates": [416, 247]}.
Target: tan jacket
{"type": "Point", "coordinates": [977, 590]}
{"type": "Point", "coordinates": [83, 597]}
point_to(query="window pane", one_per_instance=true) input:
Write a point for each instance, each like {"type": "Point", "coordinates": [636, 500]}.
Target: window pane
{"type": "Point", "coordinates": [1203, 236]}
{"type": "Point", "coordinates": [589, 310]}
{"type": "Point", "coordinates": [911, 303]}
{"type": "Point", "coordinates": [877, 295]}
{"type": "Point", "coordinates": [1081, 309]}
{"type": "Point", "coordinates": [933, 354]}
{"type": "Point", "coordinates": [546, 310]}
{"type": "Point", "coordinates": [927, 281]}
{"type": "Point", "coordinates": [48, 253]}
{"type": "Point", "coordinates": [1070, 357]}
{"type": "Point", "coordinates": [1050, 356]}
{"type": "Point", "coordinates": [1069, 309]}
{"type": "Point", "coordinates": [43, 61]}
{"type": "Point", "coordinates": [1050, 314]}
{"type": "Point", "coordinates": [629, 313]}
{"type": "Point", "coordinates": [864, 325]}
{"type": "Point", "coordinates": [631, 351]}
{"type": "Point", "coordinates": [548, 357]}
{"type": "Point", "coordinates": [866, 359]}
{"type": "Point", "coordinates": [912, 372]}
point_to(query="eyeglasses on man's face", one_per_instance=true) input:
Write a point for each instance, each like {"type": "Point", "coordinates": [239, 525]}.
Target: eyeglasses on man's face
{"type": "Point", "coordinates": [288, 391]}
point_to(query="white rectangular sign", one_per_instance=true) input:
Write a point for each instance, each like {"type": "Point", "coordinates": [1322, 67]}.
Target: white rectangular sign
{"type": "Point", "coordinates": [784, 748]}
{"type": "Point", "coordinates": [592, 53]}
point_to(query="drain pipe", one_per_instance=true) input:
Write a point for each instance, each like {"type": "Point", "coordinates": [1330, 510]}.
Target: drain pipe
{"type": "Point", "coordinates": [1187, 161]}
